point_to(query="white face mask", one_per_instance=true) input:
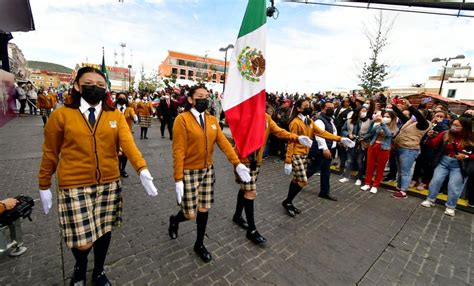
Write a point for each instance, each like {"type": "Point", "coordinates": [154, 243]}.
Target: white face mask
{"type": "Point", "coordinates": [386, 120]}
{"type": "Point", "coordinates": [363, 115]}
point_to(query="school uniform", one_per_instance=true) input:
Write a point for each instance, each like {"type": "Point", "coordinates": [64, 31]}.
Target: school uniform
{"type": "Point", "coordinates": [145, 111]}
{"type": "Point", "coordinates": [193, 147]}
{"type": "Point", "coordinates": [83, 154]}
{"type": "Point", "coordinates": [297, 156]}
{"type": "Point", "coordinates": [194, 137]}
{"type": "Point", "coordinates": [297, 153]}
{"type": "Point", "coordinates": [253, 162]}
{"type": "Point", "coordinates": [45, 104]}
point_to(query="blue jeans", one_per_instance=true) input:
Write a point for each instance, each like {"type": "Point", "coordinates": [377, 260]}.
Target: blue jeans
{"type": "Point", "coordinates": [350, 153]}
{"type": "Point", "coordinates": [405, 160]}
{"type": "Point", "coordinates": [447, 167]}
{"type": "Point", "coordinates": [361, 156]}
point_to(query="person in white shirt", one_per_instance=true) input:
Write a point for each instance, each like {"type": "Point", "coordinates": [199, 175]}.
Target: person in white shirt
{"type": "Point", "coordinates": [321, 154]}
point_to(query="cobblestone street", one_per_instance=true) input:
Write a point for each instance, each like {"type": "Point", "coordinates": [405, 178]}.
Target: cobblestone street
{"type": "Point", "coordinates": [362, 239]}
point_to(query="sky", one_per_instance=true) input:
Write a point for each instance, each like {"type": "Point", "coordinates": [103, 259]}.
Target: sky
{"type": "Point", "coordinates": [310, 48]}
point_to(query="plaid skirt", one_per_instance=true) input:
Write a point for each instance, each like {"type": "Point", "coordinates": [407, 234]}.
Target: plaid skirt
{"type": "Point", "coordinates": [145, 121]}
{"type": "Point", "coordinates": [252, 185]}
{"type": "Point", "coordinates": [86, 213]}
{"type": "Point", "coordinates": [198, 189]}
{"type": "Point", "coordinates": [300, 165]}
{"type": "Point", "coordinates": [45, 112]}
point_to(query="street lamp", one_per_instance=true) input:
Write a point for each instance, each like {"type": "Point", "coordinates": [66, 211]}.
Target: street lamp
{"type": "Point", "coordinates": [230, 46]}
{"type": "Point", "coordinates": [446, 60]}
{"type": "Point", "coordinates": [129, 75]}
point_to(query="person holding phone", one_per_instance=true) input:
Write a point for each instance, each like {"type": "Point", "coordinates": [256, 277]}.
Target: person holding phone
{"type": "Point", "coordinates": [453, 147]}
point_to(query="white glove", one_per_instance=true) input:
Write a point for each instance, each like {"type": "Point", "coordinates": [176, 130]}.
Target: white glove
{"type": "Point", "coordinates": [243, 172]}
{"type": "Point", "coordinates": [46, 200]}
{"type": "Point", "coordinates": [147, 182]}
{"type": "Point", "coordinates": [288, 169]}
{"type": "Point", "coordinates": [179, 191]}
{"type": "Point", "coordinates": [347, 142]}
{"type": "Point", "coordinates": [305, 140]}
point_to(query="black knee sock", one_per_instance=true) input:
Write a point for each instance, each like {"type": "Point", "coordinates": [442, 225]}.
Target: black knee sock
{"type": "Point", "coordinates": [44, 120]}
{"type": "Point", "coordinates": [240, 204]}
{"type": "Point", "coordinates": [201, 222]}
{"type": "Point", "coordinates": [146, 131]}
{"type": "Point", "coordinates": [81, 259]}
{"type": "Point", "coordinates": [101, 246]}
{"type": "Point", "coordinates": [180, 217]}
{"type": "Point", "coordinates": [292, 192]}
{"type": "Point", "coordinates": [123, 162]}
{"type": "Point", "coordinates": [249, 214]}
{"type": "Point", "coordinates": [142, 131]}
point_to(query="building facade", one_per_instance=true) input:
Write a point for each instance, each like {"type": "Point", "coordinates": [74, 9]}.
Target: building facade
{"type": "Point", "coordinates": [119, 77]}
{"type": "Point", "coordinates": [192, 67]}
{"type": "Point", "coordinates": [458, 82]}
{"type": "Point", "coordinates": [47, 78]}
{"type": "Point", "coordinates": [18, 64]}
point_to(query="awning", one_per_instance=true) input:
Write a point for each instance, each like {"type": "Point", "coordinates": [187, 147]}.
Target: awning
{"type": "Point", "coordinates": [16, 16]}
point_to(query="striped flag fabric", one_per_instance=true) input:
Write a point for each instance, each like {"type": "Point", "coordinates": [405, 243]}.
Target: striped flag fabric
{"type": "Point", "coordinates": [244, 96]}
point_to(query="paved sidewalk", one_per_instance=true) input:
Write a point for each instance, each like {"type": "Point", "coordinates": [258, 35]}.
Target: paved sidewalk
{"type": "Point", "coordinates": [363, 239]}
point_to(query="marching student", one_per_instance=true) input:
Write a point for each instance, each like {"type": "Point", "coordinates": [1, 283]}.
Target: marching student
{"type": "Point", "coordinates": [296, 155]}
{"type": "Point", "coordinates": [195, 132]}
{"type": "Point", "coordinates": [80, 144]}
{"type": "Point", "coordinates": [45, 104]}
{"type": "Point", "coordinates": [124, 107]}
{"type": "Point", "coordinates": [144, 111]}
{"type": "Point", "coordinates": [248, 191]}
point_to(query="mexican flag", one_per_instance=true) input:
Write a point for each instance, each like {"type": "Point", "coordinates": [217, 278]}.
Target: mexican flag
{"type": "Point", "coordinates": [244, 96]}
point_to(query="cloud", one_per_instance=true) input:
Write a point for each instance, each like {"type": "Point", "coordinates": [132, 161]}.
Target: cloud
{"type": "Point", "coordinates": [326, 55]}
{"type": "Point", "coordinates": [308, 49]}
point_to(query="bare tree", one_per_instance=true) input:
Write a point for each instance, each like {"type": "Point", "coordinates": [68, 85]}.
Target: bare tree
{"type": "Point", "coordinates": [374, 72]}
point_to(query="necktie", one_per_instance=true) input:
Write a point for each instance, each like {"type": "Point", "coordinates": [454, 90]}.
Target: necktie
{"type": "Point", "coordinates": [307, 120]}
{"type": "Point", "coordinates": [201, 120]}
{"type": "Point", "coordinates": [92, 116]}
{"type": "Point", "coordinates": [168, 102]}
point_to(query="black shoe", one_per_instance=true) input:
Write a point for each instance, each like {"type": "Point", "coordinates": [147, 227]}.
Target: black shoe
{"type": "Point", "coordinates": [78, 278]}
{"type": "Point", "coordinates": [124, 174]}
{"type": "Point", "coordinates": [240, 221]}
{"type": "Point", "coordinates": [203, 253]}
{"type": "Point", "coordinates": [289, 209]}
{"type": "Point", "coordinates": [162, 136]}
{"type": "Point", "coordinates": [328, 197]}
{"type": "Point", "coordinates": [295, 209]}
{"type": "Point", "coordinates": [141, 137]}
{"type": "Point", "coordinates": [173, 229]}
{"type": "Point", "coordinates": [256, 237]}
{"type": "Point", "coordinates": [145, 137]}
{"type": "Point", "coordinates": [101, 280]}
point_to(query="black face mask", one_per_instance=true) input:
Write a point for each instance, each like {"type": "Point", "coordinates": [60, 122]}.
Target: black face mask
{"type": "Point", "coordinates": [201, 104]}
{"type": "Point", "coordinates": [122, 101]}
{"type": "Point", "coordinates": [330, 112]}
{"type": "Point", "coordinates": [307, 111]}
{"type": "Point", "coordinates": [92, 94]}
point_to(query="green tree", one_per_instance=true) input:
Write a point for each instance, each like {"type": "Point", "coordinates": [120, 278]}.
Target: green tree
{"type": "Point", "coordinates": [148, 84]}
{"type": "Point", "coordinates": [374, 72]}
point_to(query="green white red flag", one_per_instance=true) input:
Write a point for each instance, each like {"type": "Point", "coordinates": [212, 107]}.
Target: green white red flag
{"type": "Point", "coordinates": [244, 97]}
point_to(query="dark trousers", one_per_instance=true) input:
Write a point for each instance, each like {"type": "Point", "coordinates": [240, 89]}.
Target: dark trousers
{"type": "Point", "coordinates": [32, 106]}
{"type": "Point", "coordinates": [361, 162]}
{"type": "Point", "coordinates": [319, 163]}
{"type": "Point", "coordinates": [22, 105]}
{"type": "Point", "coordinates": [282, 149]}
{"type": "Point", "coordinates": [393, 166]}
{"type": "Point", "coordinates": [470, 190]}
{"type": "Point", "coordinates": [167, 122]}
{"type": "Point", "coordinates": [122, 163]}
